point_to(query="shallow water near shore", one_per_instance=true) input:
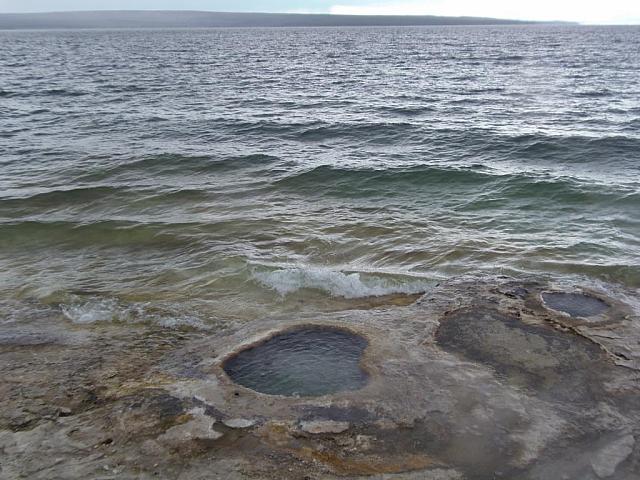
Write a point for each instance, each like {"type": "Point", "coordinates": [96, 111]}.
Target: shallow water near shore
{"type": "Point", "coordinates": [206, 177]}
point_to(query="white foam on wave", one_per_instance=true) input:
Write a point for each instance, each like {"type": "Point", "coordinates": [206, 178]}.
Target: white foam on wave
{"type": "Point", "coordinates": [92, 311]}
{"type": "Point", "coordinates": [96, 310]}
{"type": "Point", "coordinates": [337, 283]}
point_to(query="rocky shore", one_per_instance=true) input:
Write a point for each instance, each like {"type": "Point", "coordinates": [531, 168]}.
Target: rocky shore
{"type": "Point", "coordinates": [474, 380]}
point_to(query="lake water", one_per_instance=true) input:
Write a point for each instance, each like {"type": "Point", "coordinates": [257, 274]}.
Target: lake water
{"type": "Point", "coordinates": [207, 177]}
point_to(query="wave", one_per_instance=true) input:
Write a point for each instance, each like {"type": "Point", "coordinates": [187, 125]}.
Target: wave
{"type": "Point", "coordinates": [338, 283]}
{"type": "Point", "coordinates": [84, 196]}
{"type": "Point", "coordinates": [199, 164]}
{"type": "Point", "coordinates": [314, 131]}
{"type": "Point", "coordinates": [106, 233]}
{"type": "Point", "coordinates": [408, 131]}
{"type": "Point", "coordinates": [50, 92]}
{"type": "Point", "coordinates": [594, 93]}
{"type": "Point", "coordinates": [510, 58]}
{"type": "Point", "coordinates": [175, 163]}
{"type": "Point", "coordinates": [407, 110]}
{"type": "Point", "coordinates": [100, 310]}
{"type": "Point", "coordinates": [350, 182]}
{"type": "Point", "coordinates": [479, 91]}
{"type": "Point", "coordinates": [488, 145]}
{"type": "Point", "coordinates": [614, 273]}
{"type": "Point", "coordinates": [63, 92]}
{"type": "Point", "coordinates": [563, 149]}
{"type": "Point", "coordinates": [369, 132]}
{"type": "Point", "coordinates": [355, 177]}
{"type": "Point", "coordinates": [65, 195]}
{"type": "Point", "coordinates": [94, 183]}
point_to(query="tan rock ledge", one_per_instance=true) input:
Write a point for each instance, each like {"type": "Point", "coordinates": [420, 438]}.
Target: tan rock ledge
{"type": "Point", "coordinates": [475, 380]}
{"type": "Point", "coordinates": [324, 426]}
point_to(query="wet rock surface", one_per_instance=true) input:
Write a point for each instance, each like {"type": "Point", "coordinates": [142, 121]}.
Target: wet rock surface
{"type": "Point", "coordinates": [535, 357]}
{"type": "Point", "coordinates": [324, 426]}
{"type": "Point", "coordinates": [477, 380]}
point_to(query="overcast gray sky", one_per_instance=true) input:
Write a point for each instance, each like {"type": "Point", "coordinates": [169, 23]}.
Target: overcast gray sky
{"type": "Point", "coordinates": [587, 11]}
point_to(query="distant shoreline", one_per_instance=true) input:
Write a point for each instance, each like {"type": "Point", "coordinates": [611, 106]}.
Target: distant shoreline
{"type": "Point", "coordinates": [202, 19]}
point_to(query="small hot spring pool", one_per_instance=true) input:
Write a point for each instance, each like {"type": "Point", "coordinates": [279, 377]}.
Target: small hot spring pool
{"type": "Point", "coordinates": [306, 361]}
{"type": "Point", "coordinates": [575, 304]}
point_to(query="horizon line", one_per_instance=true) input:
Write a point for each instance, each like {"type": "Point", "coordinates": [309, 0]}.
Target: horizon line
{"type": "Point", "coordinates": [296, 13]}
{"type": "Point", "coordinates": [325, 14]}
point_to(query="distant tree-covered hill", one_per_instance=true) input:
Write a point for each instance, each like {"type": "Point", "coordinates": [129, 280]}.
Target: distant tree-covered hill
{"type": "Point", "coordinates": [194, 19]}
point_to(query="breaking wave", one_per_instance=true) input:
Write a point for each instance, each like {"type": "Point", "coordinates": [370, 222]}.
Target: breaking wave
{"type": "Point", "coordinates": [339, 284]}
{"type": "Point", "coordinates": [100, 310]}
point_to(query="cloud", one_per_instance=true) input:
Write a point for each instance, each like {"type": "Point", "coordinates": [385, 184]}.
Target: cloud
{"type": "Point", "coordinates": [586, 11]}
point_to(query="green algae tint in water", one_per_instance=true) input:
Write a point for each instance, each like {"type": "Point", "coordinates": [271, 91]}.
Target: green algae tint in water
{"type": "Point", "coordinates": [306, 362]}
{"type": "Point", "coordinates": [221, 188]}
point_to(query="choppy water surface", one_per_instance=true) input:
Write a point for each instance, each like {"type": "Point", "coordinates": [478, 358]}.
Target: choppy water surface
{"type": "Point", "coordinates": [206, 176]}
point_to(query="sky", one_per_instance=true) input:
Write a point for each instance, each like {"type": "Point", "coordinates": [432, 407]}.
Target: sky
{"type": "Point", "coordinates": [585, 11]}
